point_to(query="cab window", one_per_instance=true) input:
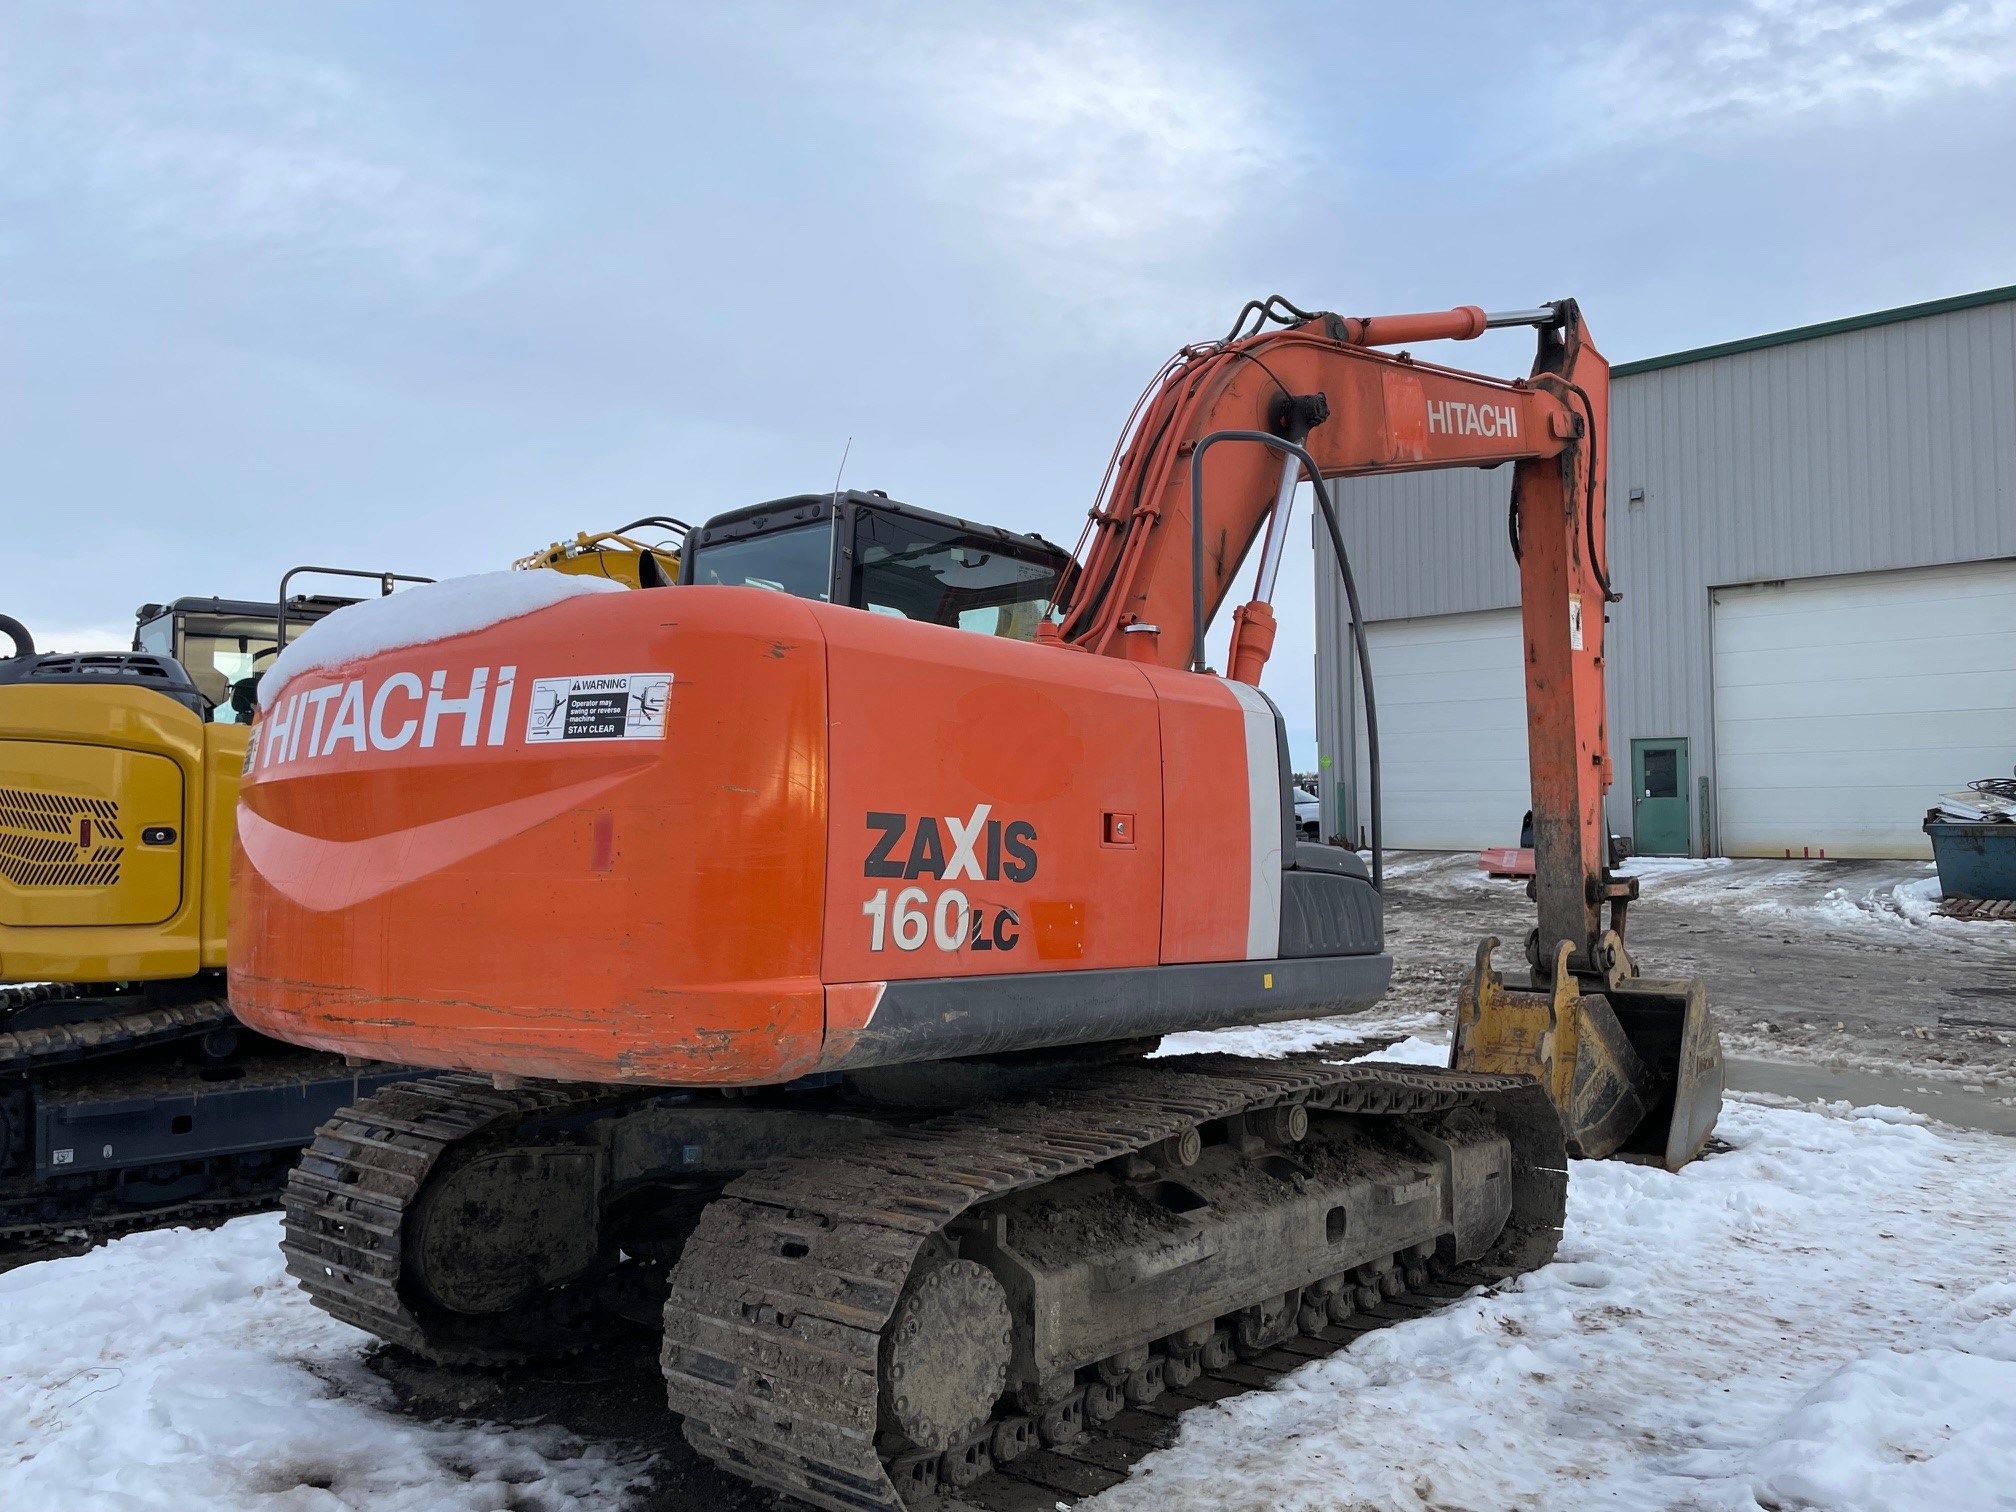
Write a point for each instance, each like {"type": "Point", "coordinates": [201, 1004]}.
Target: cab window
{"type": "Point", "coordinates": [797, 561]}
{"type": "Point", "coordinates": [942, 575]}
{"type": "Point", "coordinates": [218, 652]}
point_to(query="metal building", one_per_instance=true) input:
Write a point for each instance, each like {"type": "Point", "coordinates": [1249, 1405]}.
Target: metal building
{"type": "Point", "coordinates": [1815, 535]}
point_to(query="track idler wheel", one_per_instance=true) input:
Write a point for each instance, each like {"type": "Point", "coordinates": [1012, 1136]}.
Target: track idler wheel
{"type": "Point", "coordinates": [497, 1228]}
{"type": "Point", "coordinates": [1218, 1352]}
{"type": "Point", "coordinates": [1147, 1383]}
{"type": "Point", "coordinates": [945, 1355]}
{"type": "Point", "coordinates": [1102, 1403]}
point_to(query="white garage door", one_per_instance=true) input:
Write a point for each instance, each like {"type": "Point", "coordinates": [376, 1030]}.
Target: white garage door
{"type": "Point", "coordinates": [1845, 705]}
{"type": "Point", "coordinates": [1452, 729]}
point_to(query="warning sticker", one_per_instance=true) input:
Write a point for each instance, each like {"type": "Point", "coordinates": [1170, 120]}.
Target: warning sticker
{"type": "Point", "coordinates": [612, 706]}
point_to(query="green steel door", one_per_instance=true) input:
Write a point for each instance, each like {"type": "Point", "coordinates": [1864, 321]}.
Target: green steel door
{"type": "Point", "coordinates": [1660, 822]}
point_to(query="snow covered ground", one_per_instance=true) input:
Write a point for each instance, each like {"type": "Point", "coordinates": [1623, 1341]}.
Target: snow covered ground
{"type": "Point", "coordinates": [1298, 1035]}
{"type": "Point", "coordinates": [182, 1370]}
{"type": "Point", "coordinates": [1821, 1317]}
{"type": "Point", "coordinates": [1901, 900]}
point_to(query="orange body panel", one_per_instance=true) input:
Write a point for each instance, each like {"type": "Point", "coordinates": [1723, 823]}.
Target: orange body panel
{"type": "Point", "coordinates": [972, 780]}
{"type": "Point", "coordinates": [615, 910]}
{"type": "Point", "coordinates": [1205, 810]}
{"type": "Point", "coordinates": [671, 910]}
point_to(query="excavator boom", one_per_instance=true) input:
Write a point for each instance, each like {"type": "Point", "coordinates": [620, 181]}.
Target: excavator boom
{"type": "Point", "coordinates": [1386, 412]}
{"type": "Point", "coordinates": [1632, 1064]}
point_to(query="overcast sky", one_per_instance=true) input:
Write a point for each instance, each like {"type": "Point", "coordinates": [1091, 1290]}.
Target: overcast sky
{"type": "Point", "coordinates": [424, 287]}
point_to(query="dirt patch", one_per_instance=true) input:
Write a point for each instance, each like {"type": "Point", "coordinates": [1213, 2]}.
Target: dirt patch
{"type": "Point", "coordinates": [614, 1397]}
{"type": "Point", "coordinates": [1791, 973]}
{"type": "Point", "coordinates": [1087, 1217]}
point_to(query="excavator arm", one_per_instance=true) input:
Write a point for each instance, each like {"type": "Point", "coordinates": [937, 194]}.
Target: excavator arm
{"type": "Point", "coordinates": [1633, 1063]}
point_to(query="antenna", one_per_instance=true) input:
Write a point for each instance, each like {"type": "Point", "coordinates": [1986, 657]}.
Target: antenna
{"type": "Point", "coordinates": [840, 471]}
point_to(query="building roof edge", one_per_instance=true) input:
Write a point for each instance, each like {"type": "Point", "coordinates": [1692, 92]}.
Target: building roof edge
{"type": "Point", "coordinates": [1810, 332]}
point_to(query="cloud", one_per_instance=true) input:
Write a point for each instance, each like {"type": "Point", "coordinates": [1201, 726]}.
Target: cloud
{"type": "Point", "coordinates": [1734, 68]}
{"type": "Point", "coordinates": [1097, 136]}
{"type": "Point", "coordinates": [1103, 152]}
{"type": "Point", "coordinates": [83, 637]}
{"type": "Point", "coordinates": [186, 143]}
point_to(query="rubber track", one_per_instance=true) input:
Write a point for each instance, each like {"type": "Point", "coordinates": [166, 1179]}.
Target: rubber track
{"type": "Point", "coordinates": [28, 994]}
{"type": "Point", "coordinates": [28, 1049]}
{"type": "Point", "coordinates": [346, 1201]}
{"type": "Point", "coordinates": [773, 1360]}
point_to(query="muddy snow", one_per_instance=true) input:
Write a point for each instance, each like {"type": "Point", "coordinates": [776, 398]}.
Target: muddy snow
{"type": "Point", "coordinates": [1821, 1316]}
{"type": "Point", "coordinates": [182, 1369]}
{"type": "Point", "coordinates": [1832, 963]}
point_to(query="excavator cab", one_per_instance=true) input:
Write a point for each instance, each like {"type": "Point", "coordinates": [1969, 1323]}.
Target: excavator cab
{"type": "Point", "coordinates": [223, 643]}
{"type": "Point", "coordinates": [869, 552]}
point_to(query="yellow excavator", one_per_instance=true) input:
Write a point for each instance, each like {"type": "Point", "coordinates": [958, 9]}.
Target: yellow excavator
{"type": "Point", "coordinates": [129, 1093]}
{"type": "Point", "coordinates": [620, 554]}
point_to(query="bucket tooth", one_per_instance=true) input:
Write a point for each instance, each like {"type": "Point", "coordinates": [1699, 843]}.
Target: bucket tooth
{"type": "Point", "coordinates": [1634, 1067]}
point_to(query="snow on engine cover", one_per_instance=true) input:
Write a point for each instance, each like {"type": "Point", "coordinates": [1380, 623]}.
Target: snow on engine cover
{"type": "Point", "coordinates": [721, 835]}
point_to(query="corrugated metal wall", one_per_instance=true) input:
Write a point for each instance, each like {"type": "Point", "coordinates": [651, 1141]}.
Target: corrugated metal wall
{"type": "Point", "coordinates": [1888, 446]}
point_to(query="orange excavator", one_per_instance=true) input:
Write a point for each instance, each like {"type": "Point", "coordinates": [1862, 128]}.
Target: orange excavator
{"type": "Point", "coordinates": [804, 931]}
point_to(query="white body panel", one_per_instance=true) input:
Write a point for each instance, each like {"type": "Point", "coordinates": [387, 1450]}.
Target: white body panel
{"type": "Point", "coordinates": [1263, 809]}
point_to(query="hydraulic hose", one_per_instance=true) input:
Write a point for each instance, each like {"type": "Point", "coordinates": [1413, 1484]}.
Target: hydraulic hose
{"type": "Point", "coordinates": [1322, 491]}
{"type": "Point", "coordinates": [1364, 651]}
